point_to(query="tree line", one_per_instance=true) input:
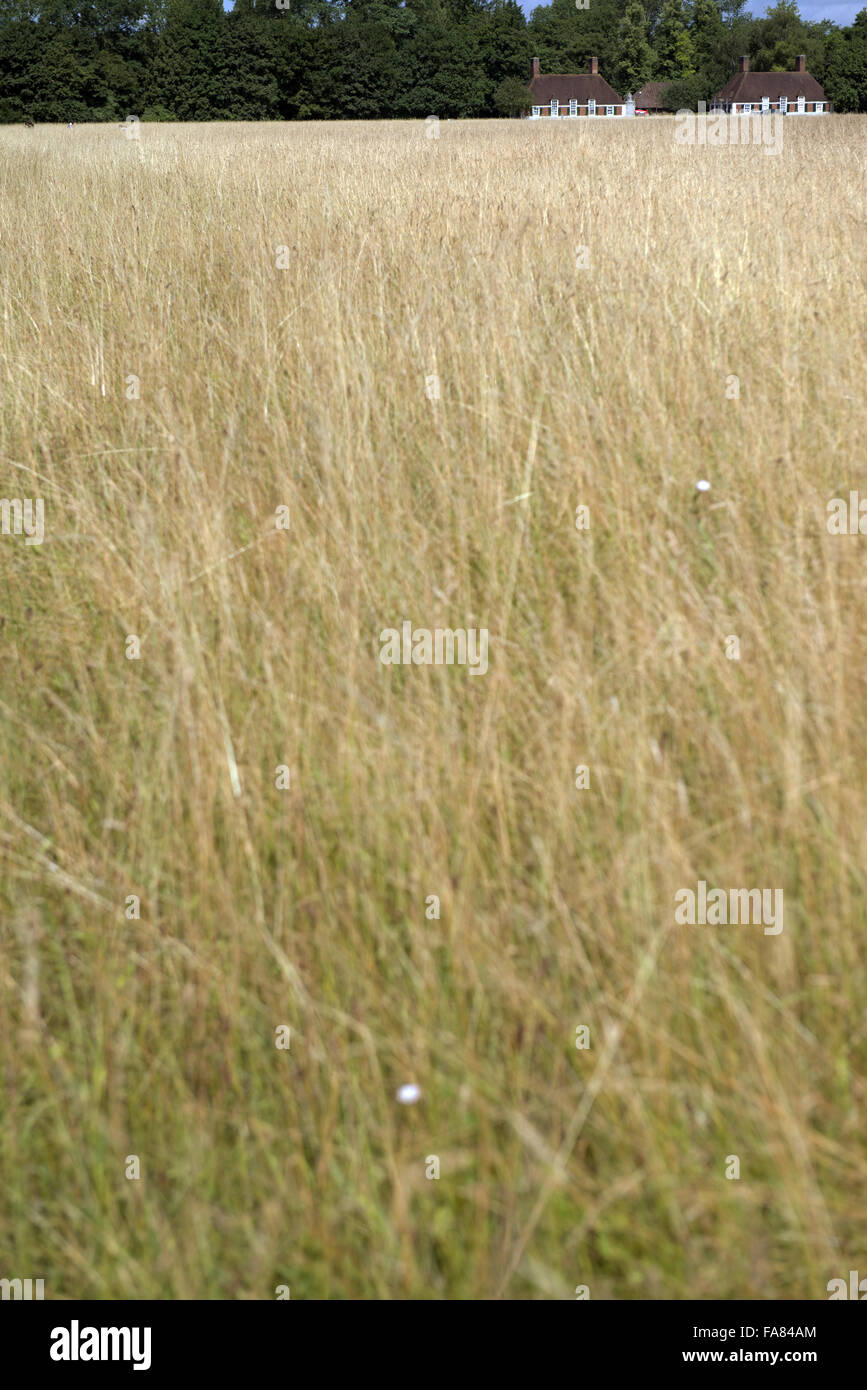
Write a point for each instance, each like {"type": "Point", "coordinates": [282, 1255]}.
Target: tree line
{"type": "Point", "coordinates": [191, 60]}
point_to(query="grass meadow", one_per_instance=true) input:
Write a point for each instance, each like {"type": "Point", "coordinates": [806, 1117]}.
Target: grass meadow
{"type": "Point", "coordinates": [169, 380]}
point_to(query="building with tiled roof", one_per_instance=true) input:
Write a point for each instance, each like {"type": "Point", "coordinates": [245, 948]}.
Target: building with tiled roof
{"type": "Point", "coordinates": [649, 97]}
{"type": "Point", "coordinates": [573, 94]}
{"type": "Point", "coordinates": [794, 93]}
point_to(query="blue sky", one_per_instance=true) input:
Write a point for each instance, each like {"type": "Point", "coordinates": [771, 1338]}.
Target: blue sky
{"type": "Point", "coordinates": [840, 11]}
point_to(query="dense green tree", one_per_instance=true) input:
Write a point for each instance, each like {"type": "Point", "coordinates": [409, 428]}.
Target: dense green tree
{"type": "Point", "coordinates": [442, 71]}
{"type": "Point", "coordinates": [502, 42]}
{"type": "Point", "coordinates": [66, 84]}
{"type": "Point", "coordinates": [293, 46]}
{"type": "Point", "coordinates": [713, 62]}
{"type": "Point", "coordinates": [102, 60]}
{"type": "Point", "coordinates": [843, 69]}
{"type": "Point", "coordinates": [706, 29]}
{"type": "Point", "coordinates": [192, 74]}
{"type": "Point", "coordinates": [512, 97]}
{"type": "Point", "coordinates": [20, 47]}
{"type": "Point", "coordinates": [685, 93]}
{"type": "Point", "coordinates": [672, 42]}
{"type": "Point", "coordinates": [637, 59]}
{"type": "Point", "coordinates": [733, 11]}
{"type": "Point", "coordinates": [780, 37]}
{"type": "Point", "coordinates": [368, 78]}
{"type": "Point", "coordinates": [565, 39]}
{"type": "Point", "coordinates": [253, 67]}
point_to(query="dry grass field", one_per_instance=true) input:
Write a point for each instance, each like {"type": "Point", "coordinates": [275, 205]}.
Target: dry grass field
{"type": "Point", "coordinates": [301, 379]}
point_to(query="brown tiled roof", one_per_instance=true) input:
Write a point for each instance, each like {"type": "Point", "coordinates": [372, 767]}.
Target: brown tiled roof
{"type": "Point", "coordinates": [649, 98]}
{"type": "Point", "coordinates": [752, 86]}
{"type": "Point", "coordinates": [573, 86]}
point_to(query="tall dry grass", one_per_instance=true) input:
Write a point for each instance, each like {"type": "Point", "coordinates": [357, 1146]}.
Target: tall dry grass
{"type": "Point", "coordinates": [304, 387]}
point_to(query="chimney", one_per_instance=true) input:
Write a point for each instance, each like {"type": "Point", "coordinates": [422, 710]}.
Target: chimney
{"type": "Point", "coordinates": [594, 67]}
{"type": "Point", "coordinates": [534, 69]}
{"type": "Point", "coordinates": [801, 63]}
{"type": "Point", "coordinates": [745, 64]}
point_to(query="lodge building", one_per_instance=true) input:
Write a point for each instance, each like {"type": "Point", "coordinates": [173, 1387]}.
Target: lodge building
{"type": "Point", "coordinates": [791, 93]}
{"type": "Point", "coordinates": [559, 95]}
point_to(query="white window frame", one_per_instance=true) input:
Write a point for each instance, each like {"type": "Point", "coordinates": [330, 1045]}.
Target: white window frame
{"type": "Point", "coordinates": [819, 108]}
{"type": "Point", "coordinates": [747, 108]}
{"type": "Point", "coordinates": [537, 111]}
{"type": "Point", "coordinates": [802, 106]}
{"type": "Point", "coordinates": [766, 104]}
{"type": "Point", "coordinates": [554, 107]}
{"type": "Point", "coordinates": [573, 106]}
{"type": "Point", "coordinates": [591, 106]}
{"type": "Point", "coordinates": [609, 110]}
{"type": "Point", "coordinates": [784, 104]}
